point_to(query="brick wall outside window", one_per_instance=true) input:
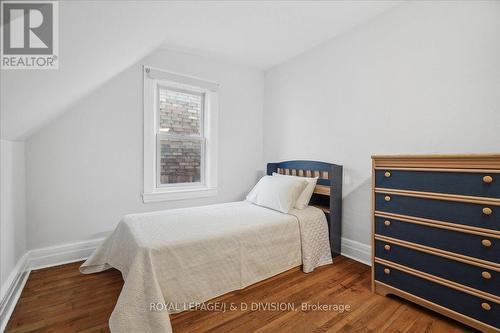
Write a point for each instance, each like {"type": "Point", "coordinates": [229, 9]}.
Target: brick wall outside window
{"type": "Point", "coordinates": [180, 113]}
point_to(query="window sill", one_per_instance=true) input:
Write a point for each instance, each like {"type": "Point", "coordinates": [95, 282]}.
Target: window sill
{"type": "Point", "coordinates": [178, 194]}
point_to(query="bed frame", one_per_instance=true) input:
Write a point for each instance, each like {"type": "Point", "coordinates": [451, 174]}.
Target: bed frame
{"type": "Point", "coordinates": [327, 195]}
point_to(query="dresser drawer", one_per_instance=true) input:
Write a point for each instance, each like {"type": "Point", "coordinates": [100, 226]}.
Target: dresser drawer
{"type": "Point", "coordinates": [462, 183]}
{"type": "Point", "coordinates": [444, 239]}
{"type": "Point", "coordinates": [466, 304]}
{"type": "Point", "coordinates": [442, 210]}
{"type": "Point", "coordinates": [473, 276]}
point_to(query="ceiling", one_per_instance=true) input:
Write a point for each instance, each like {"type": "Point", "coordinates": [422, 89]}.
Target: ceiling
{"type": "Point", "coordinates": [97, 40]}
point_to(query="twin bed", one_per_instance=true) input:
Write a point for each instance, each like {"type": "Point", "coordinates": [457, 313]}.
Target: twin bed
{"type": "Point", "coordinates": [175, 259]}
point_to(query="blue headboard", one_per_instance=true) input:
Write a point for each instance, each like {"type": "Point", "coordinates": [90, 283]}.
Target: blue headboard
{"type": "Point", "coordinates": [327, 194]}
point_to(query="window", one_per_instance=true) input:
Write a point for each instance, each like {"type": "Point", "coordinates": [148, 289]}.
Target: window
{"type": "Point", "coordinates": [180, 137]}
{"type": "Point", "coordinates": [180, 142]}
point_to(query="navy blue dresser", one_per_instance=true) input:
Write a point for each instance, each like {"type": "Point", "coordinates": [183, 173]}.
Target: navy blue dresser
{"type": "Point", "coordinates": [436, 234]}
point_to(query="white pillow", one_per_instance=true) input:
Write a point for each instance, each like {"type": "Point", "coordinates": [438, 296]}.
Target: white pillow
{"type": "Point", "coordinates": [278, 193]}
{"type": "Point", "coordinates": [305, 196]}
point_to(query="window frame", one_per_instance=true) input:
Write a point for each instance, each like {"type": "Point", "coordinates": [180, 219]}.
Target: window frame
{"type": "Point", "coordinates": [154, 191]}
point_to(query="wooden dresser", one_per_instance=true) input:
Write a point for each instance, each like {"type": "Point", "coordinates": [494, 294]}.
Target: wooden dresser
{"type": "Point", "coordinates": [436, 227]}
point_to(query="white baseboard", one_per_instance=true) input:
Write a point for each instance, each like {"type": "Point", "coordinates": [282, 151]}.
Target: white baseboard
{"type": "Point", "coordinates": [62, 254]}
{"type": "Point", "coordinates": [357, 251]}
{"type": "Point", "coordinates": [35, 259]}
{"type": "Point", "coordinates": [66, 253]}
{"type": "Point", "coordinates": [11, 290]}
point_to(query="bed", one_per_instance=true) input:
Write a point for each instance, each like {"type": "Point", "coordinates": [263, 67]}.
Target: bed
{"type": "Point", "coordinates": [173, 260]}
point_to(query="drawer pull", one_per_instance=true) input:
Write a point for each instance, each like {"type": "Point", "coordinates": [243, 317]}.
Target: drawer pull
{"type": "Point", "coordinates": [486, 275]}
{"type": "Point", "coordinates": [387, 198]}
{"type": "Point", "coordinates": [387, 271]}
{"type": "Point", "coordinates": [487, 179]}
{"type": "Point", "coordinates": [487, 211]}
{"type": "Point", "coordinates": [387, 174]}
{"type": "Point", "coordinates": [387, 223]}
{"type": "Point", "coordinates": [387, 247]}
{"type": "Point", "coordinates": [486, 306]}
{"type": "Point", "coordinates": [486, 242]}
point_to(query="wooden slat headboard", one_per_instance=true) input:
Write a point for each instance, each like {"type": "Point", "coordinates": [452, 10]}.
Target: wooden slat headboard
{"type": "Point", "coordinates": [327, 194]}
{"type": "Point", "coordinates": [320, 189]}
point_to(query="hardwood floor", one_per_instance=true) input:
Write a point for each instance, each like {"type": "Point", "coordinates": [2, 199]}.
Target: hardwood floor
{"type": "Point", "coordinates": [60, 299]}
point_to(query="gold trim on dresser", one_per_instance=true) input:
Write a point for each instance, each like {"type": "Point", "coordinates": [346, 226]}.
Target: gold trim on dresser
{"type": "Point", "coordinates": [385, 289]}
{"type": "Point", "coordinates": [435, 251]}
{"type": "Point", "coordinates": [437, 279]}
{"type": "Point", "coordinates": [441, 225]}
{"type": "Point", "coordinates": [373, 227]}
{"type": "Point", "coordinates": [486, 171]}
{"type": "Point", "coordinates": [439, 161]}
{"type": "Point", "coordinates": [465, 228]}
{"type": "Point", "coordinates": [440, 196]}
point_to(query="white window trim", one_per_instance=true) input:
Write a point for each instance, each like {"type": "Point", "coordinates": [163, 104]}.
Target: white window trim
{"type": "Point", "coordinates": [152, 192]}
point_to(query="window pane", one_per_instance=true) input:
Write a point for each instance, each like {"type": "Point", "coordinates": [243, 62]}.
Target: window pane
{"type": "Point", "coordinates": [180, 112]}
{"type": "Point", "coordinates": [180, 161]}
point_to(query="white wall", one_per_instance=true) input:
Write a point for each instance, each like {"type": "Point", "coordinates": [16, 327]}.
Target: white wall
{"type": "Point", "coordinates": [12, 209]}
{"type": "Point", "coordinates": [85, 170]}
{"type": "Point", "coordinates": [421, 78]}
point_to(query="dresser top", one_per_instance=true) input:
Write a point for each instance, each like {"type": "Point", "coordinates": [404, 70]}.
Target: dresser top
{"type": "Point", "coordinates": [419, 156]}
{"type": "Point", "coordinates": [439, 161]}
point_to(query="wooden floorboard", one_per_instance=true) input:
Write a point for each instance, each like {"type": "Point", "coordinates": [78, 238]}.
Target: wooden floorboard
{"type": "Point", "coordinates": [60, 299]}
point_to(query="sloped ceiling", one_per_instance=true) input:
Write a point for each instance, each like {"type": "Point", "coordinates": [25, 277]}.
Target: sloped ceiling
{"type": "Point", "coordinates": [98, 39]}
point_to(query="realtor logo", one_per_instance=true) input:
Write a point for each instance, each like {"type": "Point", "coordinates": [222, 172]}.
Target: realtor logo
{"type": "Point", "coordinates": [29, 35]}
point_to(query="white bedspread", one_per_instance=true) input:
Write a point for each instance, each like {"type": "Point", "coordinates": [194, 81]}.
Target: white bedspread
{"type": "Point", "coordinates": [182, 256]}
